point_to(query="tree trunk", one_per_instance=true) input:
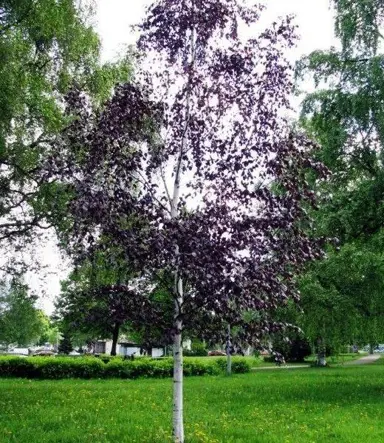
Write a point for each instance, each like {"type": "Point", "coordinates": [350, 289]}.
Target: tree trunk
{"type": "Point", "coordinates": [115, 337]}
{"type": "Point", "coordinates": [321, 361]}
{"type": "Point", "coordinates": [371, 348]}
{"type": "Point", "coordinates": [178, 419]}
{"type": "Point", "coordinates": [228, 350]}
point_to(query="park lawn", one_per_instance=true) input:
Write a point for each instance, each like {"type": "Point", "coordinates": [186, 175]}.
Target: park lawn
{"type": "Point", "coordinates": [258, 362]}
{"type": "Point", "coordinates": [342, 404]}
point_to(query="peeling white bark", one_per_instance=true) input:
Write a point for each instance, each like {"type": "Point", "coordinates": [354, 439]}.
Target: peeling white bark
{"type": "Point", "coordinates": [228, 350]}
{"type": "Point", "coordinates": [178, 400]}
{"type": "Point", "coordinates": [178, 419]}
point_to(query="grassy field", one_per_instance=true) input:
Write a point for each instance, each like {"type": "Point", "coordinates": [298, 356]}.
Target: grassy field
{"type": "Point", "coordinates": [258, 362]}
{"type": "Point", "coordinates": [299, 405]}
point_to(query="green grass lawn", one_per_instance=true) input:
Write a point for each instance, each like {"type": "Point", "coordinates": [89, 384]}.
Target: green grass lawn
{"type": "Point", "coordinates": [258, 362]}
{"type": "Point", "coordinates": [341, 404]}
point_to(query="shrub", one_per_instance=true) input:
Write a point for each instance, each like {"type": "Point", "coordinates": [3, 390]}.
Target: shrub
{"type": "Point", "coordinates": [294, 350]}
{"type": "Point", "coordinates": [300, 349]}
{"type": "Point", "coordinates": [200, 367]}
{"type": "Point", "coordinates": [90, 367]}
{"type": "Point", "coordinates": [198, 349]}
{"type": "Point", "coordinates": [240, 365]}
{"type": "Point", "coordinates": [16, 367]}
{"type": "Point", "coordinates": [105, 358]}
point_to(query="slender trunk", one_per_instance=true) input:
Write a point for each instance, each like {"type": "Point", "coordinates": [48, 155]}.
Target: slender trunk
{"type": "Point", "coordinates": [228, 350]}
{"type": "Point", "coordinates": [115, 337]}
{"type": "Point", "coordinates": [371, 348]}
{"type": "Point", "coordinates": [321, 361]}
{"type": "Point", "coordinates": [178, 419]}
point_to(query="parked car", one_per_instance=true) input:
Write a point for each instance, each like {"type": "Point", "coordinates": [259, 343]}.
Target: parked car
{"type": "Point", "coordinates": [216, 353]}
{"type": "Point", "coordinates": [44, 353]}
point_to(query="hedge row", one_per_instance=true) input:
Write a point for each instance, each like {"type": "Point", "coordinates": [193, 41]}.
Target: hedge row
{"type": "Point", "coordinates": [62, 367]}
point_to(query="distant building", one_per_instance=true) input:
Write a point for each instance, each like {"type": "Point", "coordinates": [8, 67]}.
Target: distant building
{"type": "Point", "coordinates": [127, 348]}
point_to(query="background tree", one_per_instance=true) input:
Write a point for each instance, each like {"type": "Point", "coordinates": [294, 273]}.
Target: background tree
{"type": "Point", "coordinates": [98, 302]}
{"type": "Point", "coordinates": [46, 47]}
{"type": "Point", "coordinates": [225, 224]}
{"type": "Point", "coordinates": [21, 322]}
{"type": "Point", "coordinates": [50, 333]}
{"type": "Point", "coordinates": [345, 115]}
{"type": "Point", "coordinates": [65, 345]}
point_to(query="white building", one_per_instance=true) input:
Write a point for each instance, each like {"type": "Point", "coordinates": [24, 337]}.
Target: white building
{"type": "Point", "coordinates": [126, 348]}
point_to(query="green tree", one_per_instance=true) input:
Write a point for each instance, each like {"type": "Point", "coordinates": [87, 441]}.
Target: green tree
{"type": "Point", "coordinates": [96, 301]}
{"type": "Point", "coordinates": [46, 48]}
{"type": "Point", "coordinates": [65, 345]}
{"type": "Point", "coordinates": [20, 322]}
{"type": "Point", "coordinates": [342, 296]}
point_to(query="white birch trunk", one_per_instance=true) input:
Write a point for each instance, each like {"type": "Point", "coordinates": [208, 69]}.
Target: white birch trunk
{"type": "Point", "coordinates": [322, 360]}
{"type": "Point", "coordinates": [178, 419]}
{"type": "Point", "coordinates": [178, 397]}
{"type": "Point", "coordinates": [229, 358]}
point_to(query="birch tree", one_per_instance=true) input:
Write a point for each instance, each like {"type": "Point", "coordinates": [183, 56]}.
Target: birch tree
{"type": "Point", "coordinates": [193, 172]}
{"type": "Point", "coordinates": [342, 295]}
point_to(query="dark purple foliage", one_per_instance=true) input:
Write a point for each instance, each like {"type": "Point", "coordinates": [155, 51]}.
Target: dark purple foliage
{"type": "Point", "coordinates": [205, 117]}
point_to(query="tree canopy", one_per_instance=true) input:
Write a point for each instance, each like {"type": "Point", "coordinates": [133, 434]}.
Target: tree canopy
{"type": "Point", "coordinates": [345, 115]}
{"type": "Point", "coordinates": [21, 323]}
{"type": "Point", "coordinates": [201, 125]}
{"type": "Point", "coordinates": [46, 47]}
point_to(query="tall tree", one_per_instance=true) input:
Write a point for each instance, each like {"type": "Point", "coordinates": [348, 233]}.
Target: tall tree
{"type": "Point", "coordinates": [46, 47]}
{"type": "Point", "coordinates": [97, 300]}
{"type": "Point", "coordinates": [345, 115]}
{"type": "Point", "coordinates": [193, 173]}
{"type": "Point", "coordinates": [21, 322]}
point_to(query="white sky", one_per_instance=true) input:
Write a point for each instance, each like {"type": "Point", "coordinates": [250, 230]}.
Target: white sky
{"type": "Point", "coordinates": [313, 17]}
{"type": "Point", "coordinates": [113, 21]}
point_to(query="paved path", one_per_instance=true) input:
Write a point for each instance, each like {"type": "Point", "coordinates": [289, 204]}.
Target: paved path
{"type": "Point", "coordinates": [364, 360]}
{"type": "Point", "coordinates": [361, 361]}
{"type": "Point", "coordinates": [281, 367]}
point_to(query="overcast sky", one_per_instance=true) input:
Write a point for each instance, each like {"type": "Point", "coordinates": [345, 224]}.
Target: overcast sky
{"type": "Point", "coordinates": [313, 17]}
{"type": "Point", "coordinates": [113, 21]}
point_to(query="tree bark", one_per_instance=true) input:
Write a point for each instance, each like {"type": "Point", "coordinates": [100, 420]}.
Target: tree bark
{"type": "Point", "coordinates": [115, 337]}
{"type": "Point", "coordinates": [228, 350]}
{"type": "Point", "coordinates": [321, 360]}
{"type": "Point", "coordinates": [371, 348]}
{"type": "Point", "coordinates": [178, 419]}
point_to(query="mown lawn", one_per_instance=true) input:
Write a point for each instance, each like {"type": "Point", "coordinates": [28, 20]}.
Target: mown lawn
{"type": "Point", "coordinates": [299, 405]}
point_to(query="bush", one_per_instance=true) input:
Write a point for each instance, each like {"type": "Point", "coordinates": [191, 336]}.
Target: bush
{"type": "Point", "coordinates": [200, 367]}
{"type": "Point", "coordinates": [300, 349]}
{"type": "Point", "coordinates": [51, 368]}
{"type": "Point", "coordinates": [294, 350]}
{"type": "Point", "coordinates": [91, 367]}
{"type": "Point", "coordinates": [105, 358]}
{"type": "Point", "coordinates": [198, 349]}
{"type": "Point", "coordinates": [239, 365]}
